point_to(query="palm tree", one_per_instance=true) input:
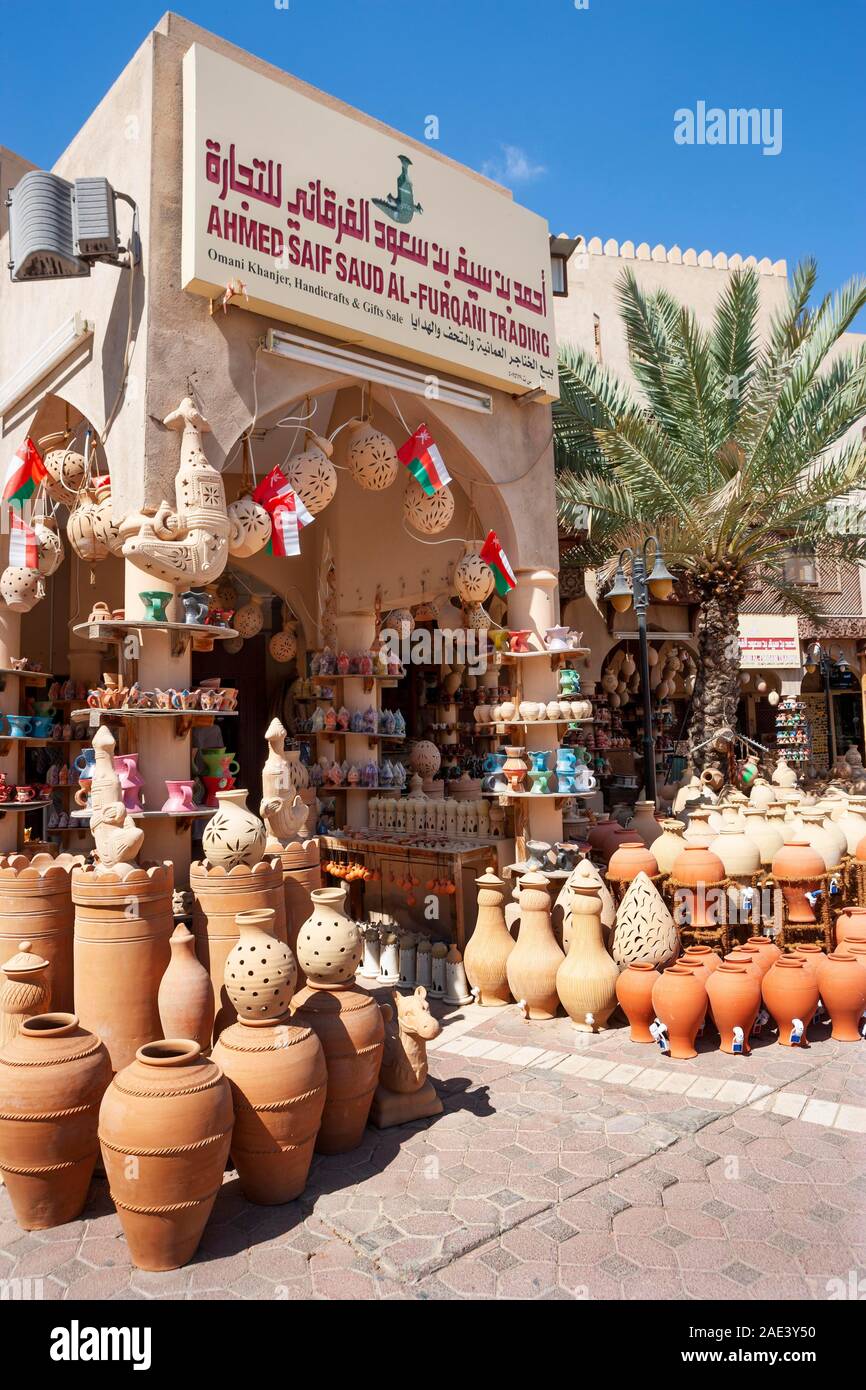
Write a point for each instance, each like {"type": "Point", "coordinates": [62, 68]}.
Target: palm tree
{"type": "Point", "coordinates": [732, 454]}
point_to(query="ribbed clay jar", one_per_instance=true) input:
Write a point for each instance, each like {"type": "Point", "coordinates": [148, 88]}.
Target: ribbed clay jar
{"type": "Point", "coordinates": [53, 1074]}
{"type": "Point", "coordinates": [790, 990]}
{"type": "Point", "coordinates": [680, 1001]}
{"type": "Point", "coordinates": [36, 903]}
{"type": "Point", "coordinates": [171, 1110]}
{"type": "Point", "coordinates": [842, 983]}
{"type": "Point", "coordinates": [488, 948]}
{"type": "Point", "coordinates": [634, 990]}
{"type": "Point", "coordinates": [735, 996]}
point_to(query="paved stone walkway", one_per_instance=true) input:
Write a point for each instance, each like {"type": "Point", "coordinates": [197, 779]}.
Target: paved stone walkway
{"type": "Point", "coordinates": [565, 1166]}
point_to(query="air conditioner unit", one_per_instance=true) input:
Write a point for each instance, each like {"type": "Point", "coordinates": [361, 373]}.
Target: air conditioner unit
{"type": "Point", "coordinates": [58, 229]}
{"type": "Point", "coordinates": [94, 226]}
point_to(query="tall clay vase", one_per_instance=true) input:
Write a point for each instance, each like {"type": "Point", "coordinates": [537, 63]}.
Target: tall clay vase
{"type": "Point", "coordinates": [634, 990]}
{"type": "Point", "coordinates": [185, 997]}
{"type": "Point", "coordinates": [790, 990]}
{"type": "Point", "coordinates": [586, 979]}
{"type": "Point", "coordinates": [276, 1069]}
{"type": "Point", "coordinates": [699, 870]}
{"type": "Point", "coordinates": [52, 1077]}
{"type": "Point", "coordinates": [842, 982]}
{"type": "Point", "coordinates": [798, 869]}
{"type": "Point", "coordinates": [645, 823]}
{"type": "Point", "coordinates": [170, 1111]}
{"type": "Point", "coordinates": [680, 1001]}
{"type": "Point", "coordinates": [488, 948]}
{"type": "Point", "coordinates": [346, 1019]}
{"type": "Point", "coordinates": [36, 903]}
{"type": "Point", "coordinates": [535, 960]}
{"type": "Point", "coordinates": [220, 895]}
{"type": "Point", "coordinates": [735, 998]}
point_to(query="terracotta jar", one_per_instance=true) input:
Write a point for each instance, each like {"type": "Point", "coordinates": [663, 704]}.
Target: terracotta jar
{"type": "Point", "coordinates": [586, 979]}
{"type": "Point", "coordinates": [798, 869]}
{"type": "Point", "coordinates": [488, 948]}
{"type": "Point", "coordinates": [597, 833]}
{"type": "Point", "coordinates": [645, 823]}
{"type": "Point", "coordinates": [810, 953]}
{"type": "Point", "coordinates": [850, 922]}
{"type": "Point", "coordinates": [616, 837]}
{"type": "Point", "coordinates": [260, 970]}
{"type": "Point", "coordinates": [767, 837]}
{"type": "Point", "coordinates": [698, 870]}
{"type": "Point", "coordinates": [52, 1077]}
{"type": "Point", "coordinates": [171, 1110]}
{"type": "Point", "coordinates": [514, 769]}
{"type": "Point", "coordinates": [219, 896]}
{"type": "Point", "coordinates": [36, 903]}
{"type": "Point", "coordinates": [234, 836]}
{"type": "Point", "coordinates": [764, 950]}
{"type": "Point", "coordinates": [628, 860]}
{"type": "Point", "coordinates": [278, 1077]}
{"type": "Point", "coordinates": [346, 1019]}
{"type": "Point", "coordinates": [634, 990]}
{"type": "Point", "coordinates": [680, 1001]}
{"type": "Point", "coordinates": [23, 990]}
{"type": "Point", "coordinates": [536, 958]}
{"type": "Point", "coordinates": [749, 960]}
{"type": "Point", "coordinates": [301, 874]}
{"type": "Point", "coordinates": [185, 997]}
{"type": "Point", "coordinates": [790, 990]}
{"type": "Point", "coordinates": [735, 996]}
{"type": "Point", "coordinates": [644, 929]}
{"type": "Point", "coordinates": [669, 844]}
{"type": "Point", "coordinates": [842, 983]}
{"type": "Point", "coordinates": [123, 927]}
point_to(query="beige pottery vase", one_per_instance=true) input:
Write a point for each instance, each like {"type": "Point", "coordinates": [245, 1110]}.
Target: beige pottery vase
{"type": "Point", "coordinates": [586, 979]}
{"type": "Point", "coordinates": [762, 794]}
{"type": "Point", "coordinates": [488, 948]}
{"type": "Point", "coordinates": [824, 841]}
{"type": "Point", "coordinates": [536, 958]}
{"type": "Point", "coordinates": [645, 932]}
{"type": "Point", "coordinates": [645, 823]}
{"type": "Point", "coordinates": [853, 822]}
{"type": "Point", "coordinates": [669, 844]}
{"type": "Point", "coordinates": [701, 827]}
{"type": "Point", "coordinates": [234, 835]}
{"type": "Point", "coordinates": [737, 851]}
{"type": "Point", "coordinates": [561, 917]}
{"type": "Point", "coordinates": [765, 835]}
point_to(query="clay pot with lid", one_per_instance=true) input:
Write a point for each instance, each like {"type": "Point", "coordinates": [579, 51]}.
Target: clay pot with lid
{"type": "Point", "coordinates": [680, 1001]}
{"type": "Point", "coordinates": [52, 1077]}
{"type": "Point", "coordinates": [23, 990]}
{"type": "Point", "coordinates": [634, 991]}
{"type": "Point", "coordinates": [630, 859]}
{"type": "Point", "coordinates": [185, 997]}
{"type": "Point", "coordinates": [790, 990]}
{"type": "Point", "coordinates": [171, 1110]}
{"type": "Point", "coordinates": [842, 983]}
{"type": "Point", "coordinates": [735, 996]}
{"type": "Point", "coordinates": [488, 948]}
{"type": "Point", "coordinates": [799, 870]}
{"type": "Point", "coordinates": [536, 958]}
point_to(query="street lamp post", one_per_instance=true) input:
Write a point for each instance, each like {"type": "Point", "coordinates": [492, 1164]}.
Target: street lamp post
{"type": "Point", "coordinates": [817, 659]}
{"type": "Point", "coordinates": [646, 584]}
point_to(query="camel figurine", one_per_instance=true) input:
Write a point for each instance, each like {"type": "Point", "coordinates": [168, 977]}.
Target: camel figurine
{"type": "Point", "coordinates": [404, 1091]}
{"type": "Point", "coordinates": [283, 811]}
{"type": "Point", "coordinates": [188, 545]}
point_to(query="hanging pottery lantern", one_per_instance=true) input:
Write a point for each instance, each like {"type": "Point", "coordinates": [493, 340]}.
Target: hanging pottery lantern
{"type": "Point", "coordinates": [476, 617]}
{"type": "Point", "coordinates": [773, 696]}
{"type": "Point", "coordinates": [21, 588]}
{"type": "Point", "coordinates": [652, 656]}
{"type": "Point", "coordinates": [425, 759]}
{"type": "Point", "coordinates": [629, 666]}
{"type": "Point", "coordinates": [49, 546]}
{"type": "Point", "coordinates": [233, 646]}
{"type": "Point", "coordinates": [107, 532]}
{"type": "Point", "coordinates": [372, 457]}
{"type": "Point", "coordinates": [283, 646]}
{"type": "Point", "coordinates": [400, 620]}
{"type": "Point", "coordinates": [85, 530]}
{"type": "Point", "coordinates": [473, 578]}
{"type": "Point", "coordinates": [249, 620]}
{"type": "Point", "coordinates": [312, 475]}
{"type": "Point", "coordinates": [249, 526]}
{"type": "Point", "coordinates": [427, 514]}
{"type": "Point", "coordinates": [226, 595]}
{"type": "Point", "coordinates": [65, 467]}
{"type": "Point", "coordinates": [761, 687]}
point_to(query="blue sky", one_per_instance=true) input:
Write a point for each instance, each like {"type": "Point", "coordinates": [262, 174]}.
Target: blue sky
{"type": "Point", "coordinates": [573, 108]}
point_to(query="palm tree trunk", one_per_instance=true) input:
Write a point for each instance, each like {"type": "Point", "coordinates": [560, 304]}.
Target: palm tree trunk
{"type": "Point", "coordinates": [717, 684]}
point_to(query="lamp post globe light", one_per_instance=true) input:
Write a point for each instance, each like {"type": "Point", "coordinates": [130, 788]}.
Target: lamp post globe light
{"type": "Point", "coordinates": [646, 584]}
{"type": "Point", "coordinates": [815, 658]}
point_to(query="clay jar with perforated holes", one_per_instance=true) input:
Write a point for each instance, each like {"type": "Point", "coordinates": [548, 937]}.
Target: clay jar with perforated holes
{"type": "Point", "coordinates": [165, 1126]}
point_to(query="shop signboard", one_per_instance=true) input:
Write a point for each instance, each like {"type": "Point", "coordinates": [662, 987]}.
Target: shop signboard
{"type": "Point", "coordinates": [768, 641]}
{"type": "Point", "coordinates": [335, 224]}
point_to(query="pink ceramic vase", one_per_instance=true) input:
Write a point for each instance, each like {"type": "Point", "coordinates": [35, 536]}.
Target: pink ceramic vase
{"type": "Point", "coordinates": [126, 766]}
{"type": "Point", "coordinates": [179, 798]}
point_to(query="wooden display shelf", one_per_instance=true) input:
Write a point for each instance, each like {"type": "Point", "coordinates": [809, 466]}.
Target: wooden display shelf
{"type": "Point", "coordinates": [386, 682]}
{"type": "Point", "coordinates": [29, 742]}
{"type": "Point", "coordinates": [538, 723]}
{"type": "Point", "coordinates": [21, 806]}
{"type": "Point", "coordinates": [538, 796]}
{"type": "Point", "coordinates": [114, 630]}
{"type": "Point", "coordinates": [185, 719]}
{"type": "Point", "coordinates": [325, 788]}
{"type": "Point", "coordinates": [509, 657]}
{"type": "Point", "coordinates": [372, 739]}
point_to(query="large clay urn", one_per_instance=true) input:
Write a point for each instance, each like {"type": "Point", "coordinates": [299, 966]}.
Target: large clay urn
{"type": "Point", "coordinates": [276, 1069]}
{"type": "Point", "coordinates": [761, 794]}
{"type": "Point", "coordinates": [697, 870]}
{"type": "Point", "coordinates": [735, 997]}
{"type": "Point", "coordinates": [52, 1077]}
{"type": "Point", "coordinates": [586, 979]}
{"type": "Point", "coordinates": [628, 860]}
{"type": "Point", "coordinates": [842, 983]}
{"type": "Point", "coordinates": [822, 839]}
{"type": "Point", "coordinates": [850, 922]}
{"type": "Point", "coordinates": [645, 823]}
{"type": "Point", "coordinates": [703, 958]}
{"type": "Point", "coordinates": [680, 1001]}
{"type": "Point", "coordinates": [764, 834]}
{"type": "Point", "coordinates": [123, 927]}
{"type": "Point", "coordinates": [185, 997]}
{"type": "Point", "coordinates": [790, 991]}
{"type": "Point", "coordinates": [488, 948]}
{"type": "Point", "coordinates": [644, 929]}
{"type": "Point", "coordinates": [220, 895]}
{"type": "Point", "coordinates": [36, 904]}
{"type": "Point", "coordinates": [749, 960]}
{"type": "Point", "coordinates": [165, 1126]}
{"type": "Point", "coordinates": [346, 1019]}
{"type": "Point", "coordinates": [738, 851]}
{"type": "Point", "coordinates": [704, 824]}
{"type": "Point", "coordinates": [617, 836]}
{"type": "Point", "coordinates": [533, 963]}
{"type": "Point", "coordinates": [634, 990]}
{"type": "Point", "coordinates": [810, 953]}
{"type": "Point", "coordinates": [765, 951]}
{"type": "Point", "coordinates": [669, 844]}
{"type": "Point", "coordinates": [853, 822]}
{"type": "Point", "coordinates": [798, 870]}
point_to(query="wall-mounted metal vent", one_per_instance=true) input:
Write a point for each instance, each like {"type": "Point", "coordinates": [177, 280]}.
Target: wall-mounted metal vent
{"type": "Point", "coordinates": [94, 227]}
{"type": "Point", "coordinates": [41, 240]}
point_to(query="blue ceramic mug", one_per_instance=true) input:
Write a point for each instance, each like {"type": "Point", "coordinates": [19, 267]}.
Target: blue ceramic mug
{"type": "Point", "coordinates": [85, 762]}
{"type": "Point", "coordinates": [20, 725]}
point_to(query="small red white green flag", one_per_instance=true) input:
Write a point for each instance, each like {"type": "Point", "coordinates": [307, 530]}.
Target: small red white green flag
{"type": "Point", "coordinates": [424, 461]}
{"type": "Point", "coordinates": [22, 544]}
{"type": "Point", "coordinates": [24, 474]}
{"type": "Point", "coordinates": [287, 512]}
{"type": "Point", "coordinates": [493, 555]}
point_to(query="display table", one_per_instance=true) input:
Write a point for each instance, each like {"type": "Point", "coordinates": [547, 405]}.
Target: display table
{"type": "Point", "coordinates": [393, 858]}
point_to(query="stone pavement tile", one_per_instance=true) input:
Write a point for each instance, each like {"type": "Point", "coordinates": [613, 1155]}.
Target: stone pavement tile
{"type": "Point", "coordinates": [655, 1285]}
{"type": "Point", "coordinates": [589, 1281]}
{"type": "Point", "coordinates": [43, 1257]}
{"type": "Point", "coordinates": [529, 1279]}
{"type": "Point", "coordinates": [646, 1253]}
{"type": "Point", "coordinates": [819, 1112]}
{"type": "Point", "coordinates": [470, 1277]}
{"type": "Point", "coordinates": [789, 1103]}
{"type": "Point", "coordinates": [832, 1259]}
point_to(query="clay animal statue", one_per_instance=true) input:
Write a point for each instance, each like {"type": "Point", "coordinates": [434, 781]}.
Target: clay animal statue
{"type": "Point", "coordinates": [405, 1092]}
{"type": "Point", "coordinates": [282, 810]}
{"type": "Point", "coordinates": [117, 837]}
{"type": "Point", "coordinates": [188, 545]}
